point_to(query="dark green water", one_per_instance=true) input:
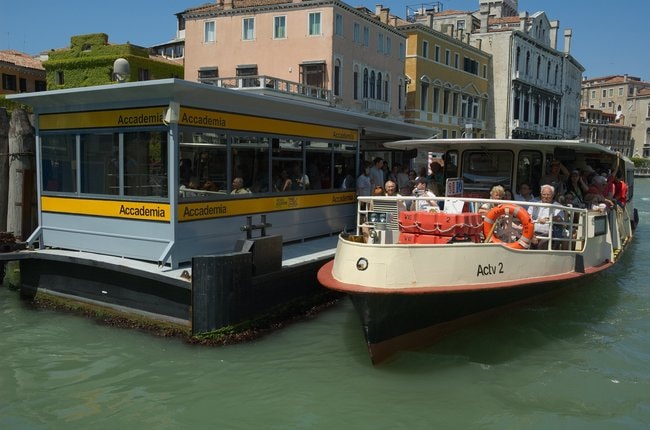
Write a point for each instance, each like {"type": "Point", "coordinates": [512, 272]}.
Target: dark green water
{"type": "Point", "coordinates": [578, 361]}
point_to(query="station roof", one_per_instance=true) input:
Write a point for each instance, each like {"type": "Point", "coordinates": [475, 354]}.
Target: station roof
{"type": "Point", "coordinates": [204, 96]}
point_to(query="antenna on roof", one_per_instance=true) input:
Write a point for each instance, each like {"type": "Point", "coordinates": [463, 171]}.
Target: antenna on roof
{"type": "Point", "coordinates": [121, 70]}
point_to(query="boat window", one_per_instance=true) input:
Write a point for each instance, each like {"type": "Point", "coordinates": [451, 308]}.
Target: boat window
{"type": "Point", "coordinates": [100, 163]}
{"type": "Point", "coordinates": [59, 163]}
{"type": "Point", "coordinates": [529, 170]}
{"type": "Point", "coordinates": [145, 164]}
{"type": "Point", "coordinates": [482, 169]}
{"type": "Point", "coordinates": [451, 164]}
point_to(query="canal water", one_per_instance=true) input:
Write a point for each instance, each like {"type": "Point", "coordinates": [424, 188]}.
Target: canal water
{"type": "Point", "coordinates": [578, 361]}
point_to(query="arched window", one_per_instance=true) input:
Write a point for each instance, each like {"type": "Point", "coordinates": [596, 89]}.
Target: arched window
{"type": "Point", "coordinates": [372, 85]}
{"type": "Point", "coordinates": [424, 93]}
{"type": "Point", "coordinates": [337, 77]}
{"type": "Point", "coordinates": [548, 72]}
{"type": "Point", "coordinates": [527, 69]}
{"type": "Point", "coordinates": [539, 66]}
{"type": "Point", "coordinates": [386, 87]}
{"type": "Point", "coordinates": [379, 86]}
{"type": "Point", "coordinates": [355, 82]}
{"type": "Point", "coordinates": [518, 59]}
{"type": "Point", "coordinates": [365, 83]}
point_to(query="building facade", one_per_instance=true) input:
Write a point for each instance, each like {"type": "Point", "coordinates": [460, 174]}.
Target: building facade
{"type": "Point", "coordinates": [347, 57]}
{"type": "Point", "coordinates": [626, 98]}
{"type": "Point", "coordinates": [447, 80]}
{"type": "Point", "coordinates": [20, 73]}
{"type": "Point", "coordinates": [534, 86]}
{"type": "Point", "coordinates": [606, 129]}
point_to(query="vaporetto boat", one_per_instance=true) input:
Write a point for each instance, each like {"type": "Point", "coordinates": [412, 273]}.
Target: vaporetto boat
{"type": "Point", "coordinates": [414, 276]}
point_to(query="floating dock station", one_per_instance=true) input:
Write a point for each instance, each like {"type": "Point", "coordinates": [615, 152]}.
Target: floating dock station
{"type": "Point", "coordinates": [188, 202]}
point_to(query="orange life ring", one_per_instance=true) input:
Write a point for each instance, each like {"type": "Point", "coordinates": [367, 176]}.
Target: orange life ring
{"type": "Point", "coordinates": [527, 227]}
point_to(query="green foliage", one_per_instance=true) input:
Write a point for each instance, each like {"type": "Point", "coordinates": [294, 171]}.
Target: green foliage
{"type": "Point", "coordinates": [10, 105]}
{"type": "Point", "coordinates": [89, 62]}
{"type": "Point", "coordinates": [640, 162]}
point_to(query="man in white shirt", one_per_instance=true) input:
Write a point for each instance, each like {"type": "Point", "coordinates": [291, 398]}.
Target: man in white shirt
{"type": "Point", "coordinates": [422, 191]}
{"type": "Point", "coordinates": [542, 216]}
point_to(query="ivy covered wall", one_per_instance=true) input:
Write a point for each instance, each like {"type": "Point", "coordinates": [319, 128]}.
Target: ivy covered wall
{"type": "Point", "coordinates": [89, 61]}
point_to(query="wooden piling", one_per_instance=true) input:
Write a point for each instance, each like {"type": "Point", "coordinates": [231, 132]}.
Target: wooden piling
{"type": "Point", "coordinates": [4, 167]}
{"type": "Point", "coordinates": [20, 197]}
{"type": "Point", "coordinates": [220, 285]}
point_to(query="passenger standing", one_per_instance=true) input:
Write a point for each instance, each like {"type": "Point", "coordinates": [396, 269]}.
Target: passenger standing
{"type": "Point", "coordinates": [364, 185]}
{"type": "Point", "coordinates": [557, 177]}
{"type": "Point", "coordinates": [377, 172]}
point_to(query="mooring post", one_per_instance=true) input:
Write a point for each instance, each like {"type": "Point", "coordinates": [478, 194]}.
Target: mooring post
{"type": "Point", "coordinates": [4, 168]}
{"type": "Point", "coordinates": [21, 164]}
{"type": "Point", "coordinates": [220, 284]}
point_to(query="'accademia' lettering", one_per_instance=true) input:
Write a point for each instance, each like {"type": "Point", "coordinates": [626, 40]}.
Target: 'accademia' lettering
{"type": "Point", "coordinates": [203, 120]}
{"type": "Point", "coordinates": [142, 211]}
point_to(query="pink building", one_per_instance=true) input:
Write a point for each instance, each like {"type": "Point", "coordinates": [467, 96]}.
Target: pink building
{"type": "Point", "coordinates": [327, 51]}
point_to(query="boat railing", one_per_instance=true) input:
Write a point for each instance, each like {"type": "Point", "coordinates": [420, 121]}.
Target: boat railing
{"type": "Point", "coordinates": [378, 220]}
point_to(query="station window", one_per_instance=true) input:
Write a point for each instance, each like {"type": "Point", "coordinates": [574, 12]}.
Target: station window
{"type": "Point", "coordinates": [59, 163]}
{"type": "Point", "coordinates": [100, 164]}
{"type": "Point", "coordinates": [145, 164]}
{"type": "Point", "coordinates": [203, 162]}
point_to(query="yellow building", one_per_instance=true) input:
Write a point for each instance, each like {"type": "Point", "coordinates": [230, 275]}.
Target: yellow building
{"type": "Point", "coordinates": [447, 81]}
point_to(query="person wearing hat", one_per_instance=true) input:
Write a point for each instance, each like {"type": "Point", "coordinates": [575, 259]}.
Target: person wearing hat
{"type": "Point", "coordinates": [596, 193]}
{"type": "Point", "coordinates": [420, 191]}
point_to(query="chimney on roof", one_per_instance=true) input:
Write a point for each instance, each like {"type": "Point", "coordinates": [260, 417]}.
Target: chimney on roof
{"type": "Point", "coordinates": [523, 19]}
{"type": "Point", "coordinates": [484, 13]}
{"type": "Point", "coordinates": [567, 41]}
{"type": "Point", "coordinates": [555, 26]}
{"type": "Point", "coordinates": [384, 15]}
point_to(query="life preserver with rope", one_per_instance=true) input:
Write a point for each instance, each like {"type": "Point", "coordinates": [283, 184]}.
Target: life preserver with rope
{"type": "Point", "coordinates": [527, 227]}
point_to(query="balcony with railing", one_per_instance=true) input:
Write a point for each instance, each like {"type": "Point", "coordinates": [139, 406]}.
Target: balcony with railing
{"type": "Point", "coordinates": [274, 86]}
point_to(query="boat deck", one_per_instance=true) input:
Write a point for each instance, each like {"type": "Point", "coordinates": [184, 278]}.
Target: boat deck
{"type": "Point", "coordinates": [293, 254]}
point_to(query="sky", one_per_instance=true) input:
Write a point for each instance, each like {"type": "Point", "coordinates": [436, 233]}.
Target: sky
{"type": "Point", "coordinates": [609, 37]}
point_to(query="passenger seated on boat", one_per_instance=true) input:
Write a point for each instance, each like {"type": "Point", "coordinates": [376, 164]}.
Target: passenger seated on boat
{"type": "Point", "coordinates": [238, 187]}
{"type": "Point", "coordinates": [421, 191]}
{"type": "Point", "coordinates": [543, 217]}
{"type": "Point", "coordinates": [507, 194]}
{"type": "Point", "coordinates": [557, 177]}
{"type": "Point", "coordinates": [525, 194]}
{"type": "Point", "coordinates": [496, 193]}
{"type": "Point", "coordinates": [390, 188]}
{"type": "Point", "coordinates": [596, 193]}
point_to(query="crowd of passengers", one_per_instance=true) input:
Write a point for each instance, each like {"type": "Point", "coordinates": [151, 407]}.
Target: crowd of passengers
{"type": "Point", "coordinates": [579, 188]}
